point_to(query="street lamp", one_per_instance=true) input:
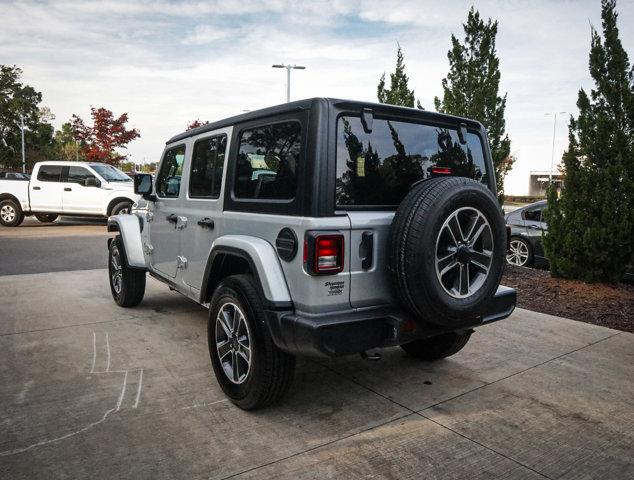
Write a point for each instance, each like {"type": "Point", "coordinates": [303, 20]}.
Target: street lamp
{"type": "Point", "coordinates": [22, 127]}
{"type": "Point", "coordinates": [288, 77]}
{"type": "Point", "coordinates": [552, 154]}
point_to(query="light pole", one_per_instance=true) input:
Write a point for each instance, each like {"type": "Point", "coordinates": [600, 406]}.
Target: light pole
{"type": "Point", "coordinates": [21, 127]}
{"type": "Point", "coordinates": [552, 153]}
{"type": "Point", "coordinates": [288, 77]}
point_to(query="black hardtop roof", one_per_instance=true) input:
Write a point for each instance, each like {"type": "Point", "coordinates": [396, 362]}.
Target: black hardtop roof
{"type": "Point", "coordinates": [309, 102]}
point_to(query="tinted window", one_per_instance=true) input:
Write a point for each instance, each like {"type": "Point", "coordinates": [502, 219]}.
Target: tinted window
{"type": "Point", "coordinates": [378, 168]}
{"type": "Point", "coordinates": [49, 173]}
{"type": "Point", "coordinates": [208, 162]}
{"type": "Point", "coordinates": [534, 215]}
{"type": "Point", "coordinates": [267, 162]}
{"type": "Point", "coordinates": [168, 182]}
{"type": "Point", "coordinates": [79, 175]}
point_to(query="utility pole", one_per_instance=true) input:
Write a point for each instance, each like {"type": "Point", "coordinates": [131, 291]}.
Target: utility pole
{"type": "Point", "coordinates": [23, 150]}
{"type": "Point", "coordinates": [288, 77]}
{"type": "Point", "coordinates": [552, 153]}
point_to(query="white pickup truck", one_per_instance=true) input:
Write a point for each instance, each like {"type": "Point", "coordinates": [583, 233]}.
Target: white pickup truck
{"type": "Point", "coordinates": [66, 188]}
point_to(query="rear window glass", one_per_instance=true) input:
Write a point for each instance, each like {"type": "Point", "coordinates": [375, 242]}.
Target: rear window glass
{"type": "Point", "coordinates": [49, 173]}
{"type": "Point", "coordinates": [378, 168]}
{"type": "Point", "coordinates": [267, 162]}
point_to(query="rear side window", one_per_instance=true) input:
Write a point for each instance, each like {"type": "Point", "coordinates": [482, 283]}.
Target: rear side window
{"type": "Point", "coordinates": [534, 215]}
{"type": "Point", "coordinates": [208, 159]}
{"type": "Point", "coordinates": [49, 173]}
{"type": "Point", "coordinates": [267, 162]}
{"type": "Point", "coordinates": [378, 168]}
{"type": "Point", "coordinates": [168, 182]}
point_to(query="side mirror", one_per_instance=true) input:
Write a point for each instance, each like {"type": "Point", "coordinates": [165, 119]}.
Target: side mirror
{"type": "Point", "coordinates": [92, 182]}
{"type": "Point", "coordinates": [143, 185]}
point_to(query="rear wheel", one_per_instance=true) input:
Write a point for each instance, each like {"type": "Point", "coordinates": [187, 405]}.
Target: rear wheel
{"type": "Point", "coordinates": [126, 284]}
{"type": "Point", "coordinates": [11, 214]}
{"type": "Point", "coordinates": [520, 253]}
{"type": "Point", "coordinates": [435, 348]}
{"type": "Point", "coordinates": [121, 208]}
{"type": "Point", "coordinates": [46, 217]}
{"type": "Point", "coordinates": [251, 370]}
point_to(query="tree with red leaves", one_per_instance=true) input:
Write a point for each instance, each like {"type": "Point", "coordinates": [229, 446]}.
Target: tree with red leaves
{"type": "Point", "coordinates": [99, 142]}
{"type": "Point", "coordinates": [196, 123]}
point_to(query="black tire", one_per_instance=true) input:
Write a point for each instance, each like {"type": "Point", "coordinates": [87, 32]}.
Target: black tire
{"type": "Point", "coordinates": [121, 207]}
{"type": "Point", "coordinates": [128, 291]}
{"type": "Point", "coordinates": [515, 258]}
{"type": "Point", "coordinates": [269, 373]}
{"type": "Point", "coordinates": [46, 217]}
{"type": "Point", "coordinates": [436, 348]}
{"type": "Point", "coordinates": [11, 214]}
{"type": "Point", "coordinates": [420, 228]}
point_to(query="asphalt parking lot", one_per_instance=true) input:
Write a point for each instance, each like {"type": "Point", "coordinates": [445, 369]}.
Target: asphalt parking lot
{"type": "Point", "coordinates": [93, 390]}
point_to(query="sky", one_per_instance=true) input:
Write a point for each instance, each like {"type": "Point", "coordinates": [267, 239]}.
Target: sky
{"type": "Point", "coordinates": [167, 63]}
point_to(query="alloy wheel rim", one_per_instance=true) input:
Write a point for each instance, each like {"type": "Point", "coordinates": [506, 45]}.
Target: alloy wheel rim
{"type": "Point", "coordinates": [518, 253]}
{"type": "Point", "coordinates": [233, 343]}
{"type": "Point", "coordinates": [7, 213]}
{"type": "Point", "coordinates": [464, 252]}
{"type": "Point", "coordinates": [115, 271]}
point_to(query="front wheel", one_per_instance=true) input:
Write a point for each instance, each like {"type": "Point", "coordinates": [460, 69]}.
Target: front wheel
{"type": "Point", "coordinates": [46, 217]}
{"type": "Point", "coordinates": [251, 370]}
{"type": "Point", "coordinates": [126, 284]}
{"type": "Point", "coordinates": [435, 348]}
{"type": "Point", "coordinates": [11, 214]}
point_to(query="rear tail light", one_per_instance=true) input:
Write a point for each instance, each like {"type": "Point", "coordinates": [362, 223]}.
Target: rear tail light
{"type": "Point", "coordinates": [323, 253]}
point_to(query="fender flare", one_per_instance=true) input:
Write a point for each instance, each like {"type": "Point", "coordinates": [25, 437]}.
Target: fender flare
{"type": "Point", "coordinates": [263, 261]}
{"type": "Point", "coordinates": [129, 227]}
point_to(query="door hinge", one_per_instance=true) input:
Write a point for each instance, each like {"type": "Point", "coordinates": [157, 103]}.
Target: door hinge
{"type": "Point", "coordinates": [181, 262]}
{"type": "Point", "coordinates": [149, 216]}
{"type": "Point", "coordinates": [148, 249]}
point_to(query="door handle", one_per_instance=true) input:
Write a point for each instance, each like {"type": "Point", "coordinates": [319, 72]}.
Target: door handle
{"type": "Point", "coordinates": [68, 189]}
{"type": "Point", "coordinates": [173, 218]}
{"type": "Point", "coordinates": [366, 250]}
{"type": "Point", "coordinates": [206, 223]}
{"type": "Point", "coordinates": [36, 188]}
{"type": "Point", "coordinates": [535, 227]}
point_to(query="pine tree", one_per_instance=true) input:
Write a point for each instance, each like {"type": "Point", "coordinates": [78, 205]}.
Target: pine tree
{"type": "Point", "coordinates": [591, 225]}
{"type": "Point", "coordinates": [399, 92]}
{"type": "Point", "coordinates": [472, 85]}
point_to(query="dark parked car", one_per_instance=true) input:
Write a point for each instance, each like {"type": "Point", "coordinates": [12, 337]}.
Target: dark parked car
{"type": "Point", "coordinates": [527, 227]}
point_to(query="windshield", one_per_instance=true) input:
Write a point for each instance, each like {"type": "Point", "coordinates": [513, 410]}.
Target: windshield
{"type": "Point", "coordinates": [379, 168]}
{"type": "Point", "coordinates": [110, 173]}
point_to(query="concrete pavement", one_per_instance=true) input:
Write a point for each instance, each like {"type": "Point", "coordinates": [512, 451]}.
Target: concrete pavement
{"type": "Point", "coordinates": [89, 389]}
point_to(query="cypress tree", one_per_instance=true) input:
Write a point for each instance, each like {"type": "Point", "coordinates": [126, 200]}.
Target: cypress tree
{"type": "Point", "coordinates": [472, 85]}
{"type": "Point", "coordinates": [399, 92]}
{"type": "Point", "coordinates": [591, 225]}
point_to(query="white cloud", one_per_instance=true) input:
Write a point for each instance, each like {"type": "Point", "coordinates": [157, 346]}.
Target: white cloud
{"type": "Point", "coordinates": [168, 62]}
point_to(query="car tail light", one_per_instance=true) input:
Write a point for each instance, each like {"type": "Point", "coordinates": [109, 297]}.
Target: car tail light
{"type": "Point", "coordinates": [441, 170]}
{"type": "Point", "coordinates": [323, 253]}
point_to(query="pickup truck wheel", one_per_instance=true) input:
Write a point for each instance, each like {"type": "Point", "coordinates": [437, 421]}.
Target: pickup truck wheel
{"type": "Point", "coordinates": [435, 348]}
{"type": "Point", "coordinates": [121, 208]}
{"type": "Point", "coordinates": [447, 250]}
{"type": "Point", "coordinates": [46, 217]}
{"type": "Point", "coordinates": [10, 213]}
{"type": "Point", "coordinates": [126, 284]}
{"type": "Point", "coordinates": [251, 370]}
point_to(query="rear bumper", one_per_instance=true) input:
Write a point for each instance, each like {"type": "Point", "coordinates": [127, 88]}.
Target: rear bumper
{"type": "Point", "coordinates": [353, 332]}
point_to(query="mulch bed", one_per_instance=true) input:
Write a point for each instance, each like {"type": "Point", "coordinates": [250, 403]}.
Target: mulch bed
{"type": "Point", "coordinates": [597, 303]}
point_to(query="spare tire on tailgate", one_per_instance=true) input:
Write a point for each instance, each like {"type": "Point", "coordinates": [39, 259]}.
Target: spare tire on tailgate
{"type": "Point", "coordinates": [447, 250]}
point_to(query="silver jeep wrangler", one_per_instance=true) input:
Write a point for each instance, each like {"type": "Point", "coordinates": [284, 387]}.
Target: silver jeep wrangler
{"type": "Point", "coordinates": [320, 227]}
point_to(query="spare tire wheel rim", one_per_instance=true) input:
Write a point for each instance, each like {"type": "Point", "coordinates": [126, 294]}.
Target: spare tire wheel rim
{"type": "Point", "coordinates": [464, 252]}
{"type": "Point", "coordinates": [233, 342]}
{"type": "Point", "coordinates": [8, 213]}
